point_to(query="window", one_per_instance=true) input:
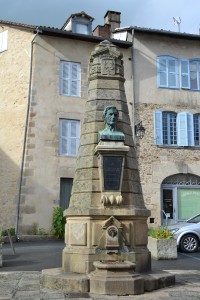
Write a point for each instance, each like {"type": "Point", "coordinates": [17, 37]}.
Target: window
{"type": "Point", "coordinates": [3, 40]}
{"type": "Point", "coordinates": [69, 135]}
{"type": "Point", "coordinates": [167, 67]}
{"type": "Point", "coordinates": [190, 74]}
{"type": "Point", "coordinates": [65, 191]}
{"type": "Point", "coordinates": [171, 70]}
{"type": "Point", "coordinates": [196, 129]}
{"type": "Point", "coordinates": [70, 78]}
{"type": "Point", "coordinates": [169, 128]}
{"type": "Point", "coordinates": [180, 129]}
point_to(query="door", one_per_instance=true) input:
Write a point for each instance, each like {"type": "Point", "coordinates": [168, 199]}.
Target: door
{"type": "Point", "coordinates": [168, 207]}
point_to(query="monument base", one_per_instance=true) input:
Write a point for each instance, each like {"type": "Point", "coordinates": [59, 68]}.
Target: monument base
{"type": "Point", "coordinates": [82, 260]}
{"type": "Point", "coordinates": [79, 284]}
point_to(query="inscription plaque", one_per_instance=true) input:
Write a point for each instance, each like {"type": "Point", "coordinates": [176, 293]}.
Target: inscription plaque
{"type": "Point", "coordinates": [112, 168]}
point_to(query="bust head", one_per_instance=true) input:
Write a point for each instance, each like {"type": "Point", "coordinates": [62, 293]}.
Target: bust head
{"type": "Point", "coordinates": [110, 116]}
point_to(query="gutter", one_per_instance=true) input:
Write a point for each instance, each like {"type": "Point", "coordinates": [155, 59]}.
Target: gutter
{"type": "Point", "coordinates": [133, 86]}
{"type": "Point", "coordinates": [25, 137]}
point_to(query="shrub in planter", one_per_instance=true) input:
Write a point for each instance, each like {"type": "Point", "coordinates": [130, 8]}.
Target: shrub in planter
{"type": "Point", "coordinates": [161, 243]}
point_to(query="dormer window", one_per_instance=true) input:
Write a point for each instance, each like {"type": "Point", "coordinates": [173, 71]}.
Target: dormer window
{"type": "Point", "coordinates": [79, 23]}
{"type": "Point", "coordinates": [82, 28]}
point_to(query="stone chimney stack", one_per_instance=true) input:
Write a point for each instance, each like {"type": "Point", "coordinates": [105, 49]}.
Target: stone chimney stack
{"type": "Point", "coordinates": [112, 18]}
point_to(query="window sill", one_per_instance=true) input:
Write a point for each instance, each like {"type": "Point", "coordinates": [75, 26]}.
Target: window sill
{"type": "Point", "coordinates": [178, 147]}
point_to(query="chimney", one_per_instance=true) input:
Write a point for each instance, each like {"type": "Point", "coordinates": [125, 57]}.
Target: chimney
{"type": "Point", "coordinates": [112, 18]}
{"type": "Point", "coordinates": [102, 31]}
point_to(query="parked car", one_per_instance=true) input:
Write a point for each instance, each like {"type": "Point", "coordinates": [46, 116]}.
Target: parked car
{"type": "Point", "coordinates": [187, 234]}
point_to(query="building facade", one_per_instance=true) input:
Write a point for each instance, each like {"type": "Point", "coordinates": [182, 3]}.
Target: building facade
{"type": "Point", "coordinates": [166, 100]}
{"type": "Point", "coordinates": [52, 70]}
{"type": "Point", "coordinates": [43, 79]}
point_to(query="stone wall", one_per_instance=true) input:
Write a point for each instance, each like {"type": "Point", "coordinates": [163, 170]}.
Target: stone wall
{"type": "Point", "coordinates": [43, 165]}
{"type": "Point", "coordinates": [14, 78]}
{"type": "Point", "coordinates": [158, 162]}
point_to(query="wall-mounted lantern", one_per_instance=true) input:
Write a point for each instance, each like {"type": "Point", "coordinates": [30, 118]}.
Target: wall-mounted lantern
{"type": "Point", "coordinates": [139, 130]}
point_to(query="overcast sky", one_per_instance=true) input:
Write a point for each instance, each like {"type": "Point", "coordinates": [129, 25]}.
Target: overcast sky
{"type": "Point", "coordinates": [157, 14]}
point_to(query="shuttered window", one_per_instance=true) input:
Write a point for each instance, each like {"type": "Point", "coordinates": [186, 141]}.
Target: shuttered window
{"type": "Point", "coordinates": [167, 75]}
{"type": "Point", "coordinates": [180, 129]}
{"type": "Point", "coordinates": [70, 79]}
{"type": "Point", "coordinates": [69, 135]}
{"type": "Point", "coordinates": [3, 41]}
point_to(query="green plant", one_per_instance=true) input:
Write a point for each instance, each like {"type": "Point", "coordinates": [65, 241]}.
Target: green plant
{"type": "Point", "coordinates": [160, 233]}
{"type": "Point", "coordinates": [58, 223]}
{"type": "Point", "coordinates": [5, 231]}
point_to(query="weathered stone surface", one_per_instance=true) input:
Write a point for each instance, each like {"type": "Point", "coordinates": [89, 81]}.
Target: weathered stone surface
{"type": "Point", "coordinates": [162, 248]}
{"type": "Point", "coordinates": [56, 279]}
{"type": "Point", "coordinates": [86, 204]}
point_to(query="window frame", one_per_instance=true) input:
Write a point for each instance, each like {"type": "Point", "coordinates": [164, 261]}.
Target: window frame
{"type": "Point", "coordinates": [185, 135]}
{"type": "Point", "coordinates": [69, 79]}
{"type": "Point", "coordinates": [167, 71]}
{"type": "Point", "coordinates": [67, 139]}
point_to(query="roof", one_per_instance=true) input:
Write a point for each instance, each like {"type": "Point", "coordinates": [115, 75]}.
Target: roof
{"type": "Point", "coordinates": [62, 33]}
{"type": "Point", "coordinates": [51, 31]}
{"type": "Point", "coordinates": [159, 32]}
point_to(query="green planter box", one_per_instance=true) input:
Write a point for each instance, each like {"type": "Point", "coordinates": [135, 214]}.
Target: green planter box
{"type": "Point", "coordinates": [162, 248]}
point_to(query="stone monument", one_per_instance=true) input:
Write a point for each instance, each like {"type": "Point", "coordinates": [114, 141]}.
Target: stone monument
{"type": "Point", "coordinates": [106, 222]}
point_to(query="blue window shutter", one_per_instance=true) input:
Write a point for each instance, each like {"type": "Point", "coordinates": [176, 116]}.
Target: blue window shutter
{"type": "Point", "coordinates": [182, 129]}
{"type": "Point", "coordinates": [172, 73]}
{"type": "Point", "coordinates": [162, 72]}
{"type": "Point", "coordinates": [190, 127]}
{"type": "Point", "coordinates": [185, 74]}
{"type": "Point", "coordinates": [158, 134]}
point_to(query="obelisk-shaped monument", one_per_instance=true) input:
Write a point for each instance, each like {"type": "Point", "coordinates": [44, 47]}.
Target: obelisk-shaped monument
{"type": "Point", "coordinates": [107, 218]}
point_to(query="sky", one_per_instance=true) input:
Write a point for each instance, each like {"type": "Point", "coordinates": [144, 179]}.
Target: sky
{"type": "Point", "coordinates": [154, 14]}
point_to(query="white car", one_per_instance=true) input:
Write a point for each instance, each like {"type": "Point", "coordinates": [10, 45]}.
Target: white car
{"type": "Point", "coordinates": [187, 234]}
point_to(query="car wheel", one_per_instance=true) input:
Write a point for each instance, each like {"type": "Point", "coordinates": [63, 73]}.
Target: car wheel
{"type": "Point", "coordinates": [189, 243]}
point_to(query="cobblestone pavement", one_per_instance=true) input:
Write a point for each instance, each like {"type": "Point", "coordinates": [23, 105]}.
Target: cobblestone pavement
{"type": "Point", "coordinates": [26, 286]}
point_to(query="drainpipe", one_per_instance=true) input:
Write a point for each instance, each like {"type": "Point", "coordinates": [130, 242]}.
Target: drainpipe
{"type": "Point", "coordinates": [25, 136]}
{"type": "Point", "coordinates": [133, 86]}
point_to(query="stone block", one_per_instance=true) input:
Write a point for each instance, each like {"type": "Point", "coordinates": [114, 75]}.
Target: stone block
{"type": "Point", "coordinates": [115, 278]}
{"type": "Point", "coordinates": [56, 279]}
{"type": "Point", "coordinates": [162, 248]}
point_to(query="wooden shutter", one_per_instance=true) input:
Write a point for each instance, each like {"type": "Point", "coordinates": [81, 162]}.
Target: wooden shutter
{"type": "Point", "coordinates": [75, 79]}
{"type": "Point", "coordinates": [172, 73]}
{"type": "Point", "coordinates": [190, 129]}
{"type": "Point", "coordinates": [65, 78]}
{"type": "Point", "coordinates": [64, 137]}
{"type": "Point", "coordinates": [74, 137]}
{"type": "Point", "coordinates": [158, 134]}
{"type": "Point", "coordinates": [182, 129]}
{"type": "Point", "coordinates": [185, 73]}
{"type": "Point", "coordinates": [162, 71]}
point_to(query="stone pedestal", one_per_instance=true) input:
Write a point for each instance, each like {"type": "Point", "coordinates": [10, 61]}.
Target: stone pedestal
{"type": "Point", "coordinates": [115, 278]}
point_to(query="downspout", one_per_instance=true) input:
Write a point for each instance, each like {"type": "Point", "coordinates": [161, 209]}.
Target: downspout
{"type": "Point", "coordinates": [25, 136]}
{"type": "Point", "coordinates": [133, 86]}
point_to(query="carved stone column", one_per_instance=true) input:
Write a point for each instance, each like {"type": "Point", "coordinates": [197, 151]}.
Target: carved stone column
{"type": "Point", "coordinates": [94, 205]}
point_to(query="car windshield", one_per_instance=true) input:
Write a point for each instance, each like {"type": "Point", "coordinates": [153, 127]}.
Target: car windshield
{"type": "Point", "coordinates": [195, 219]}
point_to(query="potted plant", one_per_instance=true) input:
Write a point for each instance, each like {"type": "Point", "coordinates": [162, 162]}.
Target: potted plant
{"type": "Point", "coordinates": [161, 243]}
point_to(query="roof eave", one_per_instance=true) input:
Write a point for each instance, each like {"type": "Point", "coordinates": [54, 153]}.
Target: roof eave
{"type": "Point", "coordinates": [81, 37]}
